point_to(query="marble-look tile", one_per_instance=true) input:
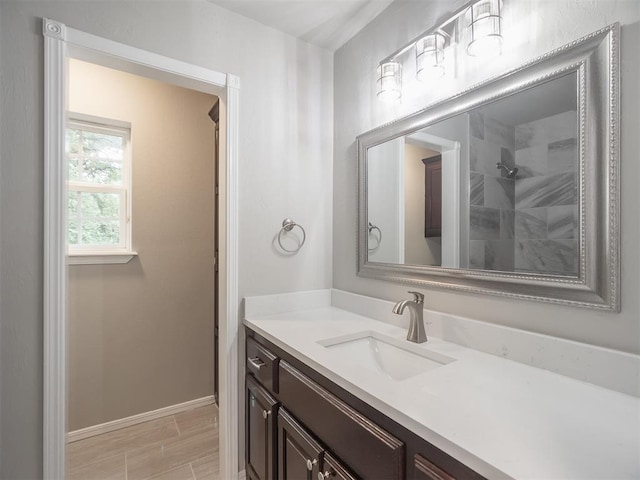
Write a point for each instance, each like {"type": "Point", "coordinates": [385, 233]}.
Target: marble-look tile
{"type": "Point", "coordinates": [483, 157]}
{"type": "Point", "coordinates": [507, 158]}
{"type": "Point", "coordinates": [532, 161]}
{"type": "Point", "coordinates": [507, 224]}
{"type": "Point", "coordinates": [484, 223]}
{"type": "Point", "coordinates": [202, 417]}
{"type": "Point", "coordinates": [546, 130]}
{"type": "Point", "coordinates": [562, 222]}
{"type": "Point", "coordinates": [497, 133]}
{"type": "Point", "coordinates": [499, 255]}
{"type": "Point", "coordinates": [563, 156]}
{"type": "Point", "coordinates": [112, 468]}
{"type": "Point", "coordinates": [476, 189]}
{"type": "Point", "coordinates": [476, 124]}
{"type": "Point", "coordinates": [499, 193]}
{"type": "Point", "coordinates": [476, 254]}
{"type": "Point", "coordinates": [546, 191]}
{"type": "Point", "coordinates": [558, 257]}
{"type": "Point", "coordinates": [207, 468]}
{"type": "Point", "coordinates": [531, 223]}
{"type": "Point", "coordinates": [106, 445]}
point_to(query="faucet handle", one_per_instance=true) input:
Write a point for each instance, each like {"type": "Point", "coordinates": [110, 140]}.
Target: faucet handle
{"type": "Point", "coordinates": [418, 297]}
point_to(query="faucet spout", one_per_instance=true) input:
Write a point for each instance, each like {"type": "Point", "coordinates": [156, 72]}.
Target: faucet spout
{"type": "Point", "coordinates": [416, 332]}
{"type": "Point", "coordinates": [399, 307]}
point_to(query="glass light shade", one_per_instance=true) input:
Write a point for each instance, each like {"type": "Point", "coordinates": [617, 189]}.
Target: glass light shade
{"type": "Point", "coordinates": [430, 57]}
{"type": "Point", "coordinates": [484, 28]}
{"type": "Point", "coordinates": [389, 81]}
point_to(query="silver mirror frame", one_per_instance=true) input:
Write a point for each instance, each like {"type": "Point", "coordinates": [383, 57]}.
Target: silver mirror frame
{"type": "Point", "coordinates": [595, 58]}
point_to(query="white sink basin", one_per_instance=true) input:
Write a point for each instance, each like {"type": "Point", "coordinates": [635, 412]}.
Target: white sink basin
{"type": "Point", "coordinates": [396, 359]}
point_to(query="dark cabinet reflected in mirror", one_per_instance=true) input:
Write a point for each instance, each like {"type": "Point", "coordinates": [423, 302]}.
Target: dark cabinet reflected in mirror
{"type": "Point", "coordinates": [494, 188]}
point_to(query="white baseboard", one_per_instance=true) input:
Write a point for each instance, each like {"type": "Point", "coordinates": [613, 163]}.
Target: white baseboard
{"type": "Point", "coordinates": [242, 475]}
{"type": "Point", "coordinates": [136, 419]}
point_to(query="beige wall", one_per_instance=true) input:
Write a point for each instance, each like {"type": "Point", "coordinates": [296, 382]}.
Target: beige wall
{"type": "Point", "coordinates": [418, 250]}
{"type": "Point", "coordinates": [141, 334]}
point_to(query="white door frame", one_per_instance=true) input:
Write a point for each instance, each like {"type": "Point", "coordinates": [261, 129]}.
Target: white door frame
{"type": "Point", "coordinates": [62, 42]}
{"type": "Point", "coordinates": [451, 177]}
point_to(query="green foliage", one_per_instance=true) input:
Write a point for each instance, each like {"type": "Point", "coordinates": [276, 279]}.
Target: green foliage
{"type": "Point", "coordinates": [94, 217]}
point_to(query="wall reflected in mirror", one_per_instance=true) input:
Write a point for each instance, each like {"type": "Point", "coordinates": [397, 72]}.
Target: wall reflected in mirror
{"type": "Point", "coordinates": [494, 188]}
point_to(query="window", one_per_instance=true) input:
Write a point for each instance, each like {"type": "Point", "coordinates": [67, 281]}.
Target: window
{"type": "Point", "coordinates": [99, 190]}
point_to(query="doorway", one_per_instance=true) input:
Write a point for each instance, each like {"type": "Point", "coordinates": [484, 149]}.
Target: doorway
{"type": "Point", "coordinates": [141, 308]}
{"type": "Point", "coordinates": [61, 44]}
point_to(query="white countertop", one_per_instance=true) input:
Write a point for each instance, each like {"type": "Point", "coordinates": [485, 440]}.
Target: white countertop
{"type": "Point", "coordinates": [501, 418]}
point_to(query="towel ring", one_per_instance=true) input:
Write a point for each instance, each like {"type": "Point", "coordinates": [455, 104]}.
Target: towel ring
{"type": "Point", "coordinates": [371, 228]}
{"type": "Point", "coordinates": [287, 226]}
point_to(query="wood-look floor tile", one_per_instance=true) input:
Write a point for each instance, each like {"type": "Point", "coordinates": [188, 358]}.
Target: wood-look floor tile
{"type": "Point", "coordinates": [206, 416]}
{"type": "Point", "coordinates": [112, 468]}
{"type": "Point", "coordinates": [180, 473]}
{"type": "Point", "coordinates": [207, 468]}
{"type": "Point", "coordinates": [106, 445]}
{"type": "Point", "coordinates": [146, 462]}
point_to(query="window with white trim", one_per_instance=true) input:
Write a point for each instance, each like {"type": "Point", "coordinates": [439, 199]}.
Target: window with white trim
{"type": "Point", "coordinates": [98, 154]}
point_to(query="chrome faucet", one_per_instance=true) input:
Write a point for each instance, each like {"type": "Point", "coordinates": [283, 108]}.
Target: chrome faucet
{"type": "Point", "coordinates": [416, 332]}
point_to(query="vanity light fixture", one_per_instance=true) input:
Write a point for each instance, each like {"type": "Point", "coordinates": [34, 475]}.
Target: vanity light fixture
{"type": "Point", "coordinates": [480, 25]}
{"type": "Point", "coordinates": [389, 81]}
{"type": "Point", "coordinates": [484, 30]}
{"type": "Point", "coordinates": [430, 57]}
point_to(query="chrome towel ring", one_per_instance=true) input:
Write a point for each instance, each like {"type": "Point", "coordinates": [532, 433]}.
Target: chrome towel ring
{"type": "Point", "coordinates": [371, 228]}
{"type": "Point", "coordinates": [287, 226]}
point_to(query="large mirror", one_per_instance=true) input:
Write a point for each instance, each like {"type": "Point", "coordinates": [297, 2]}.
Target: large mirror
{"type": "Point", "coordinates": [509, 188]}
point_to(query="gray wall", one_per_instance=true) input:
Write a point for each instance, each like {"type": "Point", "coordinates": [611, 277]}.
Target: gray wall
{"type": "Point", "coordinates": [532, 28]}
{"type": "Point", "coordinates": [285, 168]}
{"type": "Point", "coordinates": [141, 334]}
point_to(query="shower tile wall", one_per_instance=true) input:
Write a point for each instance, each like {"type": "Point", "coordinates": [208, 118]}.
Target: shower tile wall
{"type": "Point", "coordinates": [491, 194]}
{"type": "Point", "coordinates": [546, 197]}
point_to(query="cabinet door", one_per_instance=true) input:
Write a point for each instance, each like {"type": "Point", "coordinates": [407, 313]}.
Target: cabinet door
{"type": "Point", "coordinates": [433, 196]}
{"type": "Point", "coordinates": [425, 470]}
{"type": "Point", "coordinates": [332, 469]}
{"type": "Point", "coordinates": [298, 453]}
{"type": "Point", "coordinates": [260, 442]}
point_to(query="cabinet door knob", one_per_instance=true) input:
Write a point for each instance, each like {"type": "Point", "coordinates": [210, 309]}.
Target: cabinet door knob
{"type": "Point", "coordinates": [266, 413]}
{"type": "Point", "coordinates": [311, 463]}
{"type": "Point", "coordinates": [325, 476]}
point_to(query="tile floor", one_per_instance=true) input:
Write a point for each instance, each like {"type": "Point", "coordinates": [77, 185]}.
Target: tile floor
{"type": "Point", "coordinates": [177, 447]}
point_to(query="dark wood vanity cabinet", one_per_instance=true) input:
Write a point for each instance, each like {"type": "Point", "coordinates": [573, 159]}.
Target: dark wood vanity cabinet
{"type": "Point", "coordinates": [302, 426]}
{"type": "Point", "coordinates": [425, 470]}
{"type": "Point", "coordinates": [262, 409]}
{"type": "Point", "coordinates": [301, 457]}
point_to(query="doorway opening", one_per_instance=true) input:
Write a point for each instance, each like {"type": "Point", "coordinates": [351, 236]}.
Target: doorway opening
{"type": "Point", "coordinates": [141, 280]}
{"type": "Point", "coordinates": [61, 45]}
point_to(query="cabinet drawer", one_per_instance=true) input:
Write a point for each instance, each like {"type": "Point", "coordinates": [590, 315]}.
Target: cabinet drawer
{"type": "Point", "coordinates": [370, 451]}
{"type": "Point", "coordinates": [262, 364]}
{"type": "Point", "coordinates": [423, 469]}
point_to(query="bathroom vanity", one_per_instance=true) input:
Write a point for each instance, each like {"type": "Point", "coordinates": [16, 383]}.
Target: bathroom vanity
{"type": "Point", "coordinates": [302, 425]}
{"type": "Point", "coordinates": [331, 394]}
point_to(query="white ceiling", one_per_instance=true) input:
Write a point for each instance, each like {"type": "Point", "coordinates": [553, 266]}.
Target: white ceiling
{"type": "Point", "coordinates": [326, 23]}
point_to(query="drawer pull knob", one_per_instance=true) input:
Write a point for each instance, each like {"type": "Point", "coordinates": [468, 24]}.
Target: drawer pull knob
{"type": "Point", "coordinates": [325, 476]}
{"type": "Point", "coordinates": [266, 413]}
{"type": "Point", "coordinates": [311, 463]}
{"type": "Point", "coordinates": [256, 363]}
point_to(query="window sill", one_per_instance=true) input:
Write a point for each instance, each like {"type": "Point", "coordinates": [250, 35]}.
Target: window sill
{"type": "Point", "coordinates": [100, 258]}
